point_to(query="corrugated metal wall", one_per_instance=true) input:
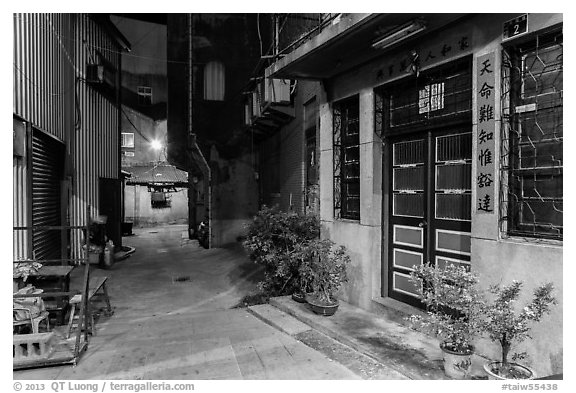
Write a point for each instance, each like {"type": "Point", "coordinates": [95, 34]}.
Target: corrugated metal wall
{"type": "Point", "coordinates": [96, 140]}
{"type": "Point", "coordinates": [50, 56]}
{"type": "Point", "coordinates": [43, 71]}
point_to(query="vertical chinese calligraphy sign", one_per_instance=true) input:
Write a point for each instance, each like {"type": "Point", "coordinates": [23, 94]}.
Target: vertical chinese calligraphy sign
{"type": "Point", "coordinates": [485, 137]}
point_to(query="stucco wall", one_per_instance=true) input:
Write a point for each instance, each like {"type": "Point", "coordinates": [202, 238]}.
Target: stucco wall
{"type": "Point", "coordinates": [146, 131]}
{"type": "Point", "coordinates": [234, 195]}
{"type": "Point", "coordinates": [138, 207]}
{"type": "Point", "coordinates": [534, 263]}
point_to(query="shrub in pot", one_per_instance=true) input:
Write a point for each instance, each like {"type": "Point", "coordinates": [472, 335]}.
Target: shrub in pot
{"type": "Point", "coordinates": [21, 270]}
{"type": "Point", "coordinates": [506, 325]}
{"type": "Point", "coordinates": [324, 268]}
{"type": "Point", "coordinates": [454, 306]}
{"type": "Point", "coordinates": [271, 241]}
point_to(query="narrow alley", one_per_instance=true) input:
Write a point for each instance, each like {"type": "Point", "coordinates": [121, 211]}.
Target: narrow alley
{"type": "Point", "coordinates": [174, 318]}
{"type": "Point", "coordinates": [288, 196]}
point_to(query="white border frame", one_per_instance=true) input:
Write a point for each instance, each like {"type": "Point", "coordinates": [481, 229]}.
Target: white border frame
{"type": "Point", "coordinates": [394, 241]}
{"type": "Point", "coordinates": [394, 249]}
{"type": "Point", "coordinates": [469, 234]}
{"type": "Point", "coordinates": [451, 260]}
{"type": "Point", "coordinates": [417, 296]}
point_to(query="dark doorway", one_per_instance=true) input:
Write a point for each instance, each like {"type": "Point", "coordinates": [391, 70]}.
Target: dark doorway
{"type": "Point", "coordinates": [109, 200]}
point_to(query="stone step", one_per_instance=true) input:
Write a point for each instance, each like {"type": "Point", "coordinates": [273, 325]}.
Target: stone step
{"type": "Point", "coordinates": [280, 320]}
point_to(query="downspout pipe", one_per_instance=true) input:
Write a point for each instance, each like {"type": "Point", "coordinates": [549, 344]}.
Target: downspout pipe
{"type": "Point", "coordinates": [195, 153]}
{"type": "Point", "coordinates": [200, 160]}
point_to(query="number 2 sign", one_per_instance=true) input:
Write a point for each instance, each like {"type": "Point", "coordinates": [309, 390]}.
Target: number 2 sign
{"type": "Point", "coordinates": [515, 27]}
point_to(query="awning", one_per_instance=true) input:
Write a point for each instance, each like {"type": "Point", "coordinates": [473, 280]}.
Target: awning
{"type": "Point", "coordinates": [347, 44]}
{"type": "Point", "coordinates": [156, 174]}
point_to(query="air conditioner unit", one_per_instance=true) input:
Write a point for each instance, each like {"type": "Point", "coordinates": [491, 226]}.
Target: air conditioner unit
{"type": "Point", "coordinates": [277, 91]}
{"type": "Point", "coordinates": [95, 73]}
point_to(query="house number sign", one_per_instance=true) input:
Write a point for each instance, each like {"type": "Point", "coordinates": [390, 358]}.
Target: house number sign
{"type": "Point", "coordinates": [515, 27]}
{"type": "Point", "coordinates": [485, 142]}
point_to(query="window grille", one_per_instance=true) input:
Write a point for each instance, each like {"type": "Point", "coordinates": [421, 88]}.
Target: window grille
{"type": "Point", "coordinates": [436, 97]}
{"type": "Point", "coordinates": [532, 138]}
{"type": "Point", "coordinates": [128, 139]}
{"type": "Point", "coordinates": [144, 95]}
{"type": "Point", "coordinates": [347, 159]}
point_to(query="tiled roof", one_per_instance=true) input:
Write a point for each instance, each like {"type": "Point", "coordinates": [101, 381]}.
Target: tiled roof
{"type": "Point", "coordinates": [161, 173]}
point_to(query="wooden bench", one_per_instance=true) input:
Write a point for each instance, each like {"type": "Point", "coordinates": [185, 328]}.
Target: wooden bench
{"type": "Point", "coordinates": [96, 290]}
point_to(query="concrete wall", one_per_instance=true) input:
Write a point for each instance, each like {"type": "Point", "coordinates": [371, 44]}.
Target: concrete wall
{"type": "Point", "coordinates": [231, 39]}
{"type": "Point", "coordinates": [495, 259]}
{"type": "Point", "coordinates": [234, 199]}
{"type": "Point", "coordinates": [139, 209]}
{"type": "Point", "coordinates": [148, 42]}
{"type": "Point", "coordinates": [146, 130]}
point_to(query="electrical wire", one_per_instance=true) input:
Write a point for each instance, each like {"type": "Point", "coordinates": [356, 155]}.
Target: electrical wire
{"type": "Point", "coordinates": [136, 128]}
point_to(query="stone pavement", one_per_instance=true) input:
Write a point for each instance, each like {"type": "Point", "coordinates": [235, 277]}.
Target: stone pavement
{"type": "Point", "coordinates": [173, 320]}
{"type": "Point", "coordinates": [393, 345]}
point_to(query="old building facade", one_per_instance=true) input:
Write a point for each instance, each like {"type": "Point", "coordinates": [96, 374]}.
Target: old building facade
{"type": "Point", "coordinates": [441, 142]}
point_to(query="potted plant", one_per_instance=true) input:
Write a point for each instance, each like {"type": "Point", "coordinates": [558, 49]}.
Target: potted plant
{"type": "Point", "coordinates": [21, 270]}
{"type": "Point", "coordinates": [506, 325]}
{"type": "Point", "coordinates": [453, 309]}
{"type": "Point", "coordinates": [276, 240]}
{"type": "Point", "coordinates": [324, 267]}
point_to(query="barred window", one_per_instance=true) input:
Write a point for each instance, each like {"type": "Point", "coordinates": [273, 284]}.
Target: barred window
{"type": "Point", "coordinates": [532, 162]}
{"type": "Point", "coordinates": [347, 159]}
{"type": "Point", "coordinates": [144, 95]}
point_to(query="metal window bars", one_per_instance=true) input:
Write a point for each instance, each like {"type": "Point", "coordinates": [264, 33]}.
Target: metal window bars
{"type": "Point", "coordinates": [531, 164]}
{"type": "Point", "coordinates": [346, 142]}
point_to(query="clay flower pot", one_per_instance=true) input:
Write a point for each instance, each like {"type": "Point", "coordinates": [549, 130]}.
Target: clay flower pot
{"type": "Point", "coordinates": [299, 297]}
{"type": "Point", "coordinates": [517, 371]}
{"type": "Point", "coordinates": [457, 365]}
{"type": "Point", "coordinates": [322, 308]}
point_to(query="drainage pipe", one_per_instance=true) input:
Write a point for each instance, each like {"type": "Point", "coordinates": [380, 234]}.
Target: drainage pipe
{"type": "Point", "coordinates": [195, 154]}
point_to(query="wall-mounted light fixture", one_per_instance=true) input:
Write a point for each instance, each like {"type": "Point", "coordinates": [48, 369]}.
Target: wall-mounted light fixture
{"type": "Point", "coordinates": [156, 144]}
{"type": "Point", "coordinates": [400, 34]}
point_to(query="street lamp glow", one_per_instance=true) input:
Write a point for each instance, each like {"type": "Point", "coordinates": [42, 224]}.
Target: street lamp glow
{"type": "Point", "coordinates": [156, 144]}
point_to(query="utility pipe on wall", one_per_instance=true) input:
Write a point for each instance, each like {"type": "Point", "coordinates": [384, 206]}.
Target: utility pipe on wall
{"type": "Point", "coordinates": [195, 153]}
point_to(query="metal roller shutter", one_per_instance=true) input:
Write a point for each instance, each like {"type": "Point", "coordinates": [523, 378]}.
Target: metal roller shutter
{"type": "Point", "coordinates": [47, 169]}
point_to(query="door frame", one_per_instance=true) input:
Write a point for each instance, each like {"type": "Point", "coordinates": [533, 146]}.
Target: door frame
{"type": "Point", "coordinates": [429, 134]}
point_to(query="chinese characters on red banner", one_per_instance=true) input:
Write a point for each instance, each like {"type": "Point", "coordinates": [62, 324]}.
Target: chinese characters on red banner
{"type": "Point", "coordinates": [485, 141]}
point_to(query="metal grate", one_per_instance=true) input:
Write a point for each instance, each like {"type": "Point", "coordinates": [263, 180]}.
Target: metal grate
{"type": "Point", "coordinates": [346, 129]}
{"type": "Point", "coordinates": [532, 138]}
{"type": "Point", "coordinates": [435, 97]}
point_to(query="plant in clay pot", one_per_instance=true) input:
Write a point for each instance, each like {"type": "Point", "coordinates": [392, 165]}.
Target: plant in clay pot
{"type": "Point", "coordinates": [274, 240]}
{"type": "Point", "coordinates": [454, 306]}
{"type": "Point", "coordinates": [506, 325]}
{"type": "Point", "coordinates": [324, 268]}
